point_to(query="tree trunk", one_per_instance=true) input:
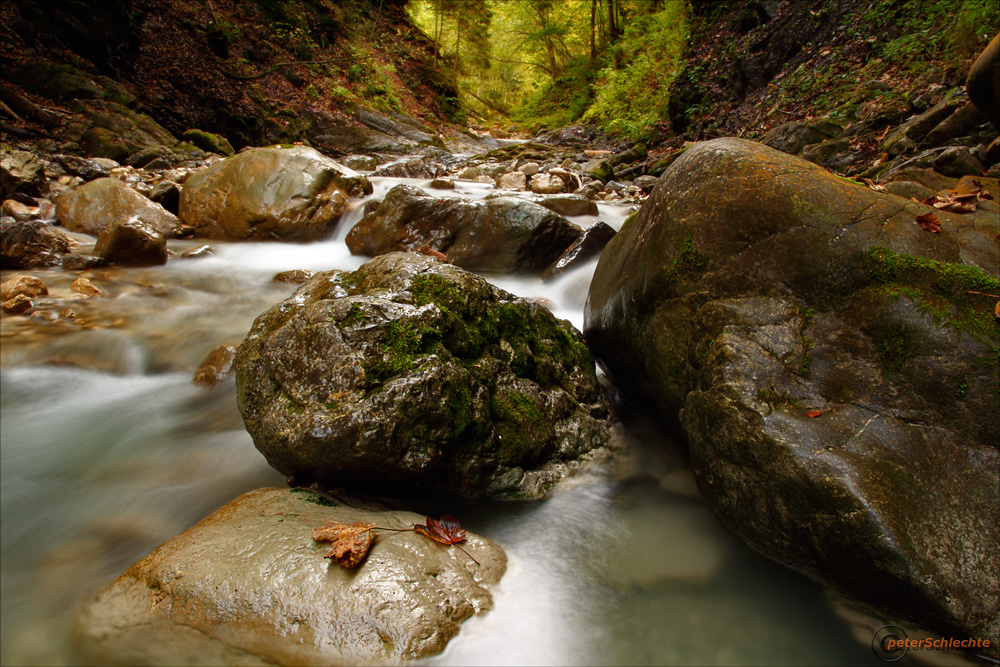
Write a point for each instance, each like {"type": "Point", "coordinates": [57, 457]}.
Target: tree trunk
{"type": "Point", "coordinates": [593, 16]}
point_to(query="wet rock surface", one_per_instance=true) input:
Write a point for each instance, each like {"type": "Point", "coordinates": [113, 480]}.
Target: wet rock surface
{"type": "Point", "coordinates": [413, 377]}
{"type": "Point", "coordinates": [829, 367]}
{"type": "Point", "coordinates": [492, 235]}
{"type": "Point", "coordinates": [31, 245]}
{"type": "Point", "coordinates": [104, 202]}
{"type": "Point", "coordinates": [268, 194]}
{"type": "Point", "coordinates": [248, 585]}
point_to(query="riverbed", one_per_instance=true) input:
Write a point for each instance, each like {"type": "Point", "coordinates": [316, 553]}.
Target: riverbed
{"type": "Point", "coordinates": [108, 450]}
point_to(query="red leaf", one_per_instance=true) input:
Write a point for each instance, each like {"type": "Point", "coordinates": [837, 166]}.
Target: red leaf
{"type": "Point", "coordinates": [814, 413]}
{"type": "Point", "coordinates": [446, 531]}
{"type": "Point", "coordinates": [930, 222]}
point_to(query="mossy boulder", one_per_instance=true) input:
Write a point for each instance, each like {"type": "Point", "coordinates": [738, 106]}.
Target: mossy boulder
{"type": "Point", "coordinates": [111, 130]}
{"type": "Point", "coordinates": [249, 586]}
{"type": "Point", "coordinates": [832, 367]}
{"type": "Point", "coordinates": [410, 377]}
{"type": "Point", "coordinates": [502, 234]}
{"type": "Point", "coordinates": [209, 142]}
{"type": "Point", "coordinates": [269, 193]}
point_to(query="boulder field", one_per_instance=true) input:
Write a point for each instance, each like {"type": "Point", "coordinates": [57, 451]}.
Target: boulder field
{"type": "Point", "coordinates": [831, 362]}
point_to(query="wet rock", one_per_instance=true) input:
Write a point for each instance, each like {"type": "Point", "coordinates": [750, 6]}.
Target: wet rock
{"type": "Point", "coordinates": [269, 193]}
{"type": "Point", "coordinates": [21, 171]}
{"type": "Point", "coordinates": [29, 286]}
{"type": "Point", "coordinates": [17, 305]}
{"type": "Point", "coordinates": [514, 180]}
{"type": "Point", "coordinates": [957, 161]}
{"type": "Point", "coordinates": [31, 245]}
{"type": "Point", "coordinates": [793, 137]}
{"type": "Point", "coordinates": [280, 602]}
{"type": "Point", "coordinates": [216, 367]}
{"type": "Point", "coordinates": [209, 142]}
{"type": "Point", "coordinates": [86, 288]}
{"type": "Point", "coordinates": [95, 206]}
{"type": "Point", "coordinates": [337, 135]}
{"type": "Point", "coordinates": [424, 167]}
{"type": "Point", "coordinates": [442, 184]}
{"type": "Point", "coordinates": [788, 333]}
{"type": "Point", "coordinates": [19, 211]}
{"type": "Point", "coordinates": [87, 168]}
{"type": "Point", "coordinates": [167, 195]}
{"type": "Point", "coordinates": [583, 249]}
{"type": "Point", "coordinates": [563, 204]}
{"type": "Point", "coordinates": [529, 169]}
{"type": "Point", "coordinates": [74, 262]}
{"type": "Point", "coordinates": [360, 162]}
{"type": "Point", "coordinates": [295, 277]}
{"type": "Point", "coordinates": [983, 82]}
{"type": "Point", "coordinates": [491, 235]}
{"type": "Point", "coordinates": [198, 253]}
{"type": "Point", "coordinates": [133, 243]}
{"type": "Point", "coordinates": [410, 377]}
{"type": "Point", "coordinates": [547, 184]}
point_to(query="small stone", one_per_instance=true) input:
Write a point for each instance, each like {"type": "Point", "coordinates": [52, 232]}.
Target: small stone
{"type": "Point", "coordinates": [442, 184]}
{"type": "Point", "coordinates": [18, 305]}
{"type": "Point", "coordinates": [529, 168]}
{"type": "Point", "coordinates": [216, 367]}
{"type": "Point", "coordinates": [68, 314]}
{"type": "Point", "coordinates": [513, 181]}
{"type": "Point", "coordinates": [19, 211]}
{"type": "Point", "coordinates": [196, 253]}
{"type": "Point", "coordinates": [547, 184]}
{"type": "Point", "coordinates": [80, 262]}
{"type": "Point", "coordinates": [86, 288]}
{"type": "Point", "coordinates": [27, 285]}
{"type": "Point", "coordinates": [295, 277]}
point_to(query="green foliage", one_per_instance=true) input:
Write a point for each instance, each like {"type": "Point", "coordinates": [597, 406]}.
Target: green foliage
{"type": "Point", "coordinates": [562, 102]}
{"type": "Point", "coordinates": [936, 29]}
{"type": "Point", "coordinates": [632, 94]}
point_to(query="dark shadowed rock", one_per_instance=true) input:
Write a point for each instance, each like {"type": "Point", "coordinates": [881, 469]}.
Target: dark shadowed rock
{"type": "Point", "coordinates": [87, 168]}
{"type": "Point", "coordinates": [410, 377]}
{"type": "Point", "coordinates": [424, 167]}
{"type": "Point", "coordinates": [957, 161]}
{"type": "Point", "coordinates": [983, 82]}
{"type": "Point", "coordinates": [101, 203]}
{"type": "Point", "coordinates": [269, 193]}
{"type": "Point", "coordinates": [131, 242]}
{"type": "Point", "coordinates": [249, 586]}
{"type": "Point", "coordinates": [491, 235]}
{"type": "Point", "coordinates": [583, 249]}
{"type": "Point", "coordinates": [829, 366]}
{"type": "Point", "coordinates": [793, 137]}
{"type": "Point", "coordinates": [167, 195]}
{"type": "Point", "coordinates": [31, 245]}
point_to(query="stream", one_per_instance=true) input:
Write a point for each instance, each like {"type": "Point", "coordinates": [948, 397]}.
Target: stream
{"type": "Point", "coordinates": [108, 450]}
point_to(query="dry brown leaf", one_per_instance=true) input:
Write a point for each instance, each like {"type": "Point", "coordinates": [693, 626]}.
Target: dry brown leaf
{"type": "Point", "coordinates": [814, 413]}
{"type": "Point", "coordinates": [930, 222]}
{"type": "Point", "coordinates": [351, 542]}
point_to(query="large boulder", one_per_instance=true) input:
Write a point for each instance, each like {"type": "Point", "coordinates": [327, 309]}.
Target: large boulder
{"type": "Point", "coordinates": [103, 202]}
{"type": "Point", "coordinates": [983, 82]}
{"type": "Point", "coordinates": [269, 193]}
{"type": "Point", "coordinates": [249, 586]}
{"type": "Point", "coordinates": [832, 366]}
{"type": "Point", "coordinates": [114, 131]}
{"type": "Point", "coordinates": [414, 377]}
{"type": "Point", "coordinates": [21, 171]}
{"type": "Point", "coordinates": [31, 245]}
{"type": "Point", "coordinates": [491, 235]}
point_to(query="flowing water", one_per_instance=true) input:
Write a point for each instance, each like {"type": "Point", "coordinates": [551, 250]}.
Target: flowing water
{"type": "Point", "coordinates": [109, 450]}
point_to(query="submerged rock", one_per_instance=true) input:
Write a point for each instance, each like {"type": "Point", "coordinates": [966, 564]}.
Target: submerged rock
{"type": "Point", "coordinates": [249, 586]}
{"type": "Point", "coordinates": [489, 235]}
{"type": "Point", "coordinates": [413, 377]}
{"type": "Point", "coordinates": [269, 193]}
{"type": "Point", "coordinates": [830, 368]}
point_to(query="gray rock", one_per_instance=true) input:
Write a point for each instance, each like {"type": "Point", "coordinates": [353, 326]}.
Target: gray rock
{"type": "Point", "coordinates": [425, 167]}
{"type": "Point", "coordinates": [21, 171]}
{"type": "Point", "coordinates": [515, 180]}
{"type": "Point", "coordinates": [645, 183]}
{"type": "Point", "coordinates": [269, 193]}
{"type": "Point", "coordinates": [830, 369]}
{"type": "Point", "coordinates": [793, 137]}
{"type": "Point", "coordinates": [504, 234]}
{"type": "Point", "coordinates": [563, 204]}
{"type": "Point", "coordinates": [547, 184]}
{"type": "Point", "coordinates": [360, 162]}
{"type": "Point", "coordinates": [31, 245]}
{"type": "Point", "coordinates": [529, 169]}
{"type": "Point", "coordinates": [915, 129]}
{"type": "Point", "coordinates": [249, 586]}
{"type": "Point", "coordinates": [94, 206]}
{"type": "Point", "coordinates": [87, 168]}
{"type": "Point", "coordinates": [411, 377]}
{"type": "Point", "coordinates": [583, 249]}
{"type": "Point", "coordinates": [957, 124]}
{"type": "Point", "coordinates": [957, 161]}
{"type": "Point", "coordinates": [131, 242]}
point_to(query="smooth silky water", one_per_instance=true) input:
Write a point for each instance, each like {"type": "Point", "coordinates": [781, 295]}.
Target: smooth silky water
{"type": "Point", "coordinates": [108, 450]}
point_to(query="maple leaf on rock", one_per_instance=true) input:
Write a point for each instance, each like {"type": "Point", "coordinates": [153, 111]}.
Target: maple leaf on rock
{"type": "Point", "coordinates": [351, 542]}
{"type": "Point", "coordinates": [446, 531]}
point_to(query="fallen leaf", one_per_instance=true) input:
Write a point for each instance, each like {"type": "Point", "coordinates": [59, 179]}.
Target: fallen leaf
{"type": "Point", "coordinates": [930, 222]}
{"type": "Point", "coordinates": [996, 310]}
{"type": "Point", "coordinates": [447, 531]}
{"type": "Point", "coordinates": [814, 413]}
{"type": "Point", "coordinates": [351, 542]}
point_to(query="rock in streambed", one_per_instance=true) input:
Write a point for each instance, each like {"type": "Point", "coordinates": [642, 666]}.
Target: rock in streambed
{"type": "Point", "coordinates": [414, 377]}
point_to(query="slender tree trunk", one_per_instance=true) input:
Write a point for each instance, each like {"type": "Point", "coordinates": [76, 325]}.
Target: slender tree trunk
{"type": "Point", "coordinates": [612, 30]}
{"type": "Point", "coordinates": [593, 16]}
